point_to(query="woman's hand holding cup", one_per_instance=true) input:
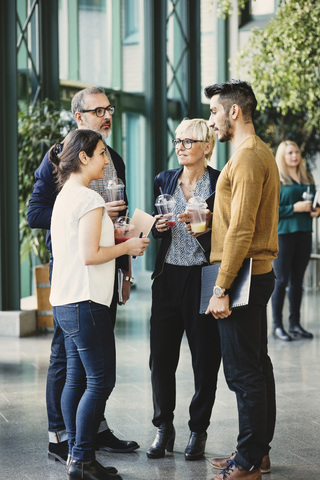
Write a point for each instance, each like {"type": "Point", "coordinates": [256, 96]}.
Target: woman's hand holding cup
{"type": "Point", "coordinates": [302, 206]}
{"type": "Point", "coordinates": [165, 205]}
{"type": "Point", "coordinates": [185, 218]}
{"type": "Point", "coordinates": [114, 208]}
{"type": "Point", "coordinates": [162, 222]}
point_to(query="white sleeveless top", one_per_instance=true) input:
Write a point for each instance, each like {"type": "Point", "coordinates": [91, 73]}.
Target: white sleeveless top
{"type": "Point", "coordinates": [72, 281]}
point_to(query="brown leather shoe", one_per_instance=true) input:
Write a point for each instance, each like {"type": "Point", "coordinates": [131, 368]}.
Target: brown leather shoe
{"type": "Point", "coordinates": [234, 471]}
{"type": "Point", "coordinates": [266, 464]}
{"type": "Point", "coordinates": [223, 463]}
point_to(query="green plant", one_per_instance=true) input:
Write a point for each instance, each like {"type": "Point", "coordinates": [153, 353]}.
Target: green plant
{"type": "Point", "coordinates": [282, 61]}
{"type": "Point", "coordinates": [273, 128]}
{"type": "Point", "coordinates": [38, 129]}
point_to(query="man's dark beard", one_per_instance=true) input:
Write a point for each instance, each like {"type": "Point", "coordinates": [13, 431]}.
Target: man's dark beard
{"type": "Point", "coordinates": [227, 133]}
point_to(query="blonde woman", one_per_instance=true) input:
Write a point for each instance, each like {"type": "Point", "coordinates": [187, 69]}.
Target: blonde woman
{"type": "Point", "coordinates": [176, 297]}
{"type": "Point", "coordinates": [295, 237]}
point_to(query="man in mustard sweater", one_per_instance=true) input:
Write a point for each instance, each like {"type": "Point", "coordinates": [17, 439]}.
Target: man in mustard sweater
{"type": "Point", "coordinates": [245, 222]}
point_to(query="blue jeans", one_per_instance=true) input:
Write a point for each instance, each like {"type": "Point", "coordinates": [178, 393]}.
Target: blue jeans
{"type": "Point", "coordinates": [249, 373]}
{"type": "Point", "coordinates": [290, 266]}
{"type": "Point", "coordinates": [90, 349]}
{"type": "Point", "coordinates": [56, 376]}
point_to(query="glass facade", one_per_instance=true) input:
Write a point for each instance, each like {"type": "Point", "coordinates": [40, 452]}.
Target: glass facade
{"type": "Point", "coordinates": [113, 44]}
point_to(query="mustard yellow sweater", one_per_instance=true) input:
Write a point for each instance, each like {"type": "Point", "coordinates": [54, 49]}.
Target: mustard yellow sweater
{"type": "Point", "coordinates": [245, 216]}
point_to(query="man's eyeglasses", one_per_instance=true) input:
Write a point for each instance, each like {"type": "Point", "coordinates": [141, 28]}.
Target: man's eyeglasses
{"type": "Point", "coordinates": [101, 111]}
{"type": "Point", "coordinates": [186, 143]}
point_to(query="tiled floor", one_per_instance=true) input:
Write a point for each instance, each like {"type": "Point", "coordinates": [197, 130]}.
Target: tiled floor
{"type": "Point", "coordinates": [23, 426]}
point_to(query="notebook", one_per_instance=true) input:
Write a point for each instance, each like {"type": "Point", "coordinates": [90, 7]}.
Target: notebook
{"type": "Point", "coordinates": [239, 290]}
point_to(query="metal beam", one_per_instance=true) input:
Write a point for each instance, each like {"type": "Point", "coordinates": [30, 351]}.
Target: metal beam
{"type": "Point", "coordinates": [194, 66]}
{"type": "Point", "coordinates": [155, 95]}
{"type": "Point", "coordinates": [49, 48]}
{"type": "Point", "coordinates": [9, 206]}
{"type": "Point", "coordinates": [156, 82]}
{"type": "Point", "coordinates": [222, 56]}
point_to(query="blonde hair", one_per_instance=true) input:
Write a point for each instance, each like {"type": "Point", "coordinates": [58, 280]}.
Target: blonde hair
{"type": "Point", "coordinates": [305, 177]}
{"type": "Point", "coordinates": [200, 131]}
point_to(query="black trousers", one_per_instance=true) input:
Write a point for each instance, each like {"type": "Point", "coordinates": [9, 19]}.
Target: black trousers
{"type": "Point", "coordinates": [249, 372]}
{"type": "Point", "coordinates": [175, 310]}
{"type": "Point", "coordinates": [290, 266]}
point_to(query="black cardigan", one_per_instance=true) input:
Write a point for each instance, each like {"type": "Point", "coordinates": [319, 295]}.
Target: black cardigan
{"type": "Point", "coordinates": [167, 180]}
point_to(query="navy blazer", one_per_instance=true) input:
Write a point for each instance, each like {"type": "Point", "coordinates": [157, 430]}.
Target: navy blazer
{"type": "Point", "coordinates": [167, 181]}
{"type": "Point", "coordinates": [45, 192]}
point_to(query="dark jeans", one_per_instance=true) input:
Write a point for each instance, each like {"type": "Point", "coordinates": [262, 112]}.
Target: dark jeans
{"type": "Point", "coordinates": [175, 310]}
{"type": "Point", "coordinates": [249, 372]}
{"type": "Point", "coordinates": [56, 376]}
{"type": "Point", "coordinates": [90, 349]}
{"type": "Point", "coordinates": [290, 266]}
{"type": "Point", "coordinates": [56, 379]}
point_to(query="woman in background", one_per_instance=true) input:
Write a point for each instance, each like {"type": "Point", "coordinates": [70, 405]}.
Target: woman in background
{"type": "Point", "coordinates": [81, 292]}
{"type": "Point", "coordinates": [295, 238]}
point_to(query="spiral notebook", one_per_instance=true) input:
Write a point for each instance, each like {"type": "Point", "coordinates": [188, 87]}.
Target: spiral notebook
{"type": "Point", "coordinates": [239, 290]}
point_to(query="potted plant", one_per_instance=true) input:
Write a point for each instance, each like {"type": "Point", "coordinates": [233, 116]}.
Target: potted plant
{"type": "Point", "coordinates": [39, 128]}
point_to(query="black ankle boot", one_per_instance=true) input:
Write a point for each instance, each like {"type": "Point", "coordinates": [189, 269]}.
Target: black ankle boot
{"type": "Point", "coordinates": [164, 441]}
{"type": "Point", "coordinates": [196, 446]}
{"type": "Point", "coordinates": [107, 469]}
{"type": "Point", "coordinates": [281, 334]}
{"type": "Point", "coordinates": [58, 451]}
{"type": "Point", "coordinates": [297, 331]}
{"type": "Point", "coordinates": [89, 471]}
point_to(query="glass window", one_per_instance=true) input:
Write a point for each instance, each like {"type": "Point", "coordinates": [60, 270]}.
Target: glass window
{"type": "Point", "coordinates": [92, 4]}
{"type": "Point", "coordinates": [131, 21]}
{"type": "Point", "coordinates": [136, 168]}
{"type": "Point", "coordinates": [133, 46]}
{"type": "Point", "coordinates": [134, 159]}
{"type": "Point", "coordinates": [85, 46]}
{"type": "Point", "coordinates": [94, 39]}
{"type": "Point", "coordinates": [262, 7]}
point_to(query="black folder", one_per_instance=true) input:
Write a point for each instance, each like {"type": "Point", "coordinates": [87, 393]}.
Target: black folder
{"type": "Point", "coordinates": [239, 290]}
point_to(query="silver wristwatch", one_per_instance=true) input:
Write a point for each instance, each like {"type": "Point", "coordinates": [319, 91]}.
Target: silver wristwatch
{"type": "Point", "coordinates": [217, 292]}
